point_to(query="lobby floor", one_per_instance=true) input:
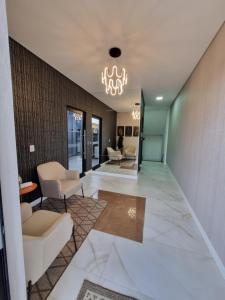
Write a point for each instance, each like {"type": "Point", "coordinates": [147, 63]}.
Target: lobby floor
{"type": "Point", "coordinates": [172, 263]}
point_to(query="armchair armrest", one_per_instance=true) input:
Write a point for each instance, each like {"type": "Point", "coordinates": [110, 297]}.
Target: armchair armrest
{"type": "Point", "coordinates": [51, 188]}
{"type": "Point", "coordinates": [26, 211]}
{"type": "Point", "coordinates": [72, 175]}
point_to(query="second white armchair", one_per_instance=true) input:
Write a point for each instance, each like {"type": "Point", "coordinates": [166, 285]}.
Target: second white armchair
{"type": "Point", "coordinates": [114, 154]}
{"type": "Point", "coordinates": [57, 182]}
{"type": "Point", "coordinates": [45, 233]}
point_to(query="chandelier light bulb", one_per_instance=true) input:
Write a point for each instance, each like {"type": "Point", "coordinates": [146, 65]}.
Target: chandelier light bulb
{"type": "Point", "coordinates": [77, 116]}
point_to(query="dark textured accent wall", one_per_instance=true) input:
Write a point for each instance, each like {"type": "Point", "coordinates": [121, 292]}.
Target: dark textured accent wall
{"type": "Point", "coordinates": [41, 97]}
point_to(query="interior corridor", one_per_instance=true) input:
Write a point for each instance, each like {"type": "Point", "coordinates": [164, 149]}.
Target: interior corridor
{"type": "Point", "coordinates": [173, 261]}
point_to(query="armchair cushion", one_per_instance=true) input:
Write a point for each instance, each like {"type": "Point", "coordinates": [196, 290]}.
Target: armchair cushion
{"type": "Point", "coordinates": [51, 188]}
{"type": "Point", "coordinates": [72, 175]}
{"type": "Point", "coordinates": [40, 220]}
{"type": "Point", "coordinates": [69, 187]}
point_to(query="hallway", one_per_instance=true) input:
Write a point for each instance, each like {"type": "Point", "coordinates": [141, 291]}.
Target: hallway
{"type": "Point", "coordinates": [173, 262]}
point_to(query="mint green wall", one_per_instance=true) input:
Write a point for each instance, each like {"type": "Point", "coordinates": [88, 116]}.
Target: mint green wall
{"type": "Point", "coordinates": [154, 133]}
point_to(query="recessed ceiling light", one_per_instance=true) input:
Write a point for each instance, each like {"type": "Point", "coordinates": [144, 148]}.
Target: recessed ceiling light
{"type": "Point", "coordinates": [159, 98]}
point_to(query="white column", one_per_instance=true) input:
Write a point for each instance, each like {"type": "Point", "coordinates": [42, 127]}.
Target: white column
{"type": "Point", "coordinates": [8, 170]}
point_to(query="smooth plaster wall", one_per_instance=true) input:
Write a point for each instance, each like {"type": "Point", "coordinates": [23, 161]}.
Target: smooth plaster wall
{"type": "Point", "coordinates": [9, 171]}
{"type": "Point", "coordinates": [196, 147]}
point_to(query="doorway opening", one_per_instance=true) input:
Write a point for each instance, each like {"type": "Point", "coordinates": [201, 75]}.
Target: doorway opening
{"type": "Point", "coordinates": [96, 142]}
{"type": "Point", "coordinates": [76, 140]}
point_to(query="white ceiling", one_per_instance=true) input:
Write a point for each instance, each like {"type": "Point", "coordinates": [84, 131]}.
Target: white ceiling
{"type": "Point", "coordinates": [161, 41]}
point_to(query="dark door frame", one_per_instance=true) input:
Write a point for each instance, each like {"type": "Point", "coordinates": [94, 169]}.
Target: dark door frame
{"type": "Point", "coordinates": [84, 142]}
{"type": "Point", "coordinates": [141, 138]}
{"type": "Point", "coordinates": [100, 142]}
{"type": "Point", "coordinates": [4, 279]}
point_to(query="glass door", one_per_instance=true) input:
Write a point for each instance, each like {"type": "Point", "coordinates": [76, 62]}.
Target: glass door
{"type": "Point", "coordinates": [76, 140]}
{"type": "Point", "coordinates": [96, 141]}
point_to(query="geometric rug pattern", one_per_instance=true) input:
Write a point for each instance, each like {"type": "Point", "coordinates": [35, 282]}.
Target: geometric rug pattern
{"type": "Point", "coordinates": [92, 291]}
{"type": "Point", "coordinates": [85, 212]}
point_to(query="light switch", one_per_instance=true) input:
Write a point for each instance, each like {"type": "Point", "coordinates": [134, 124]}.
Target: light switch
{"type": "Point", "coordinates": [32, 148]}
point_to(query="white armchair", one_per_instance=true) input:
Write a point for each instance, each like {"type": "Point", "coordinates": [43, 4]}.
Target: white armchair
{"type": "Point", "coordinates": [57, 182]}
{"type": "Point", "coordinates": [113, 154]}
{"type": "Point", "coordinates": [130, 152]}
{"type": "Point", "coordinates": [45, 233]}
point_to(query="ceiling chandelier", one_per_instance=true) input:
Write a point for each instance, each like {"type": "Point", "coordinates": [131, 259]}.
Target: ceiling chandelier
{"type": "Point", "coordinates": [114, 78]}
{"type": "Point", "coordinates": [136, 112]}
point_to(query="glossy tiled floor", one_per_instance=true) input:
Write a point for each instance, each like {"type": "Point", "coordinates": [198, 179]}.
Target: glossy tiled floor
{"type": "Point", "coordinates": [123, 215]}
{"type": "Point", "coordinates": [172, 263]}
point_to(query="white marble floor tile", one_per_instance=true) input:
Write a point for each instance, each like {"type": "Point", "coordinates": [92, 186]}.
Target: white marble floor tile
{"type": "Point", "coordinates": [172, 263]}
{"type": "Point", "coordinates": [70, 283]}
{"type": "Point", "coordinates": [94, 252]}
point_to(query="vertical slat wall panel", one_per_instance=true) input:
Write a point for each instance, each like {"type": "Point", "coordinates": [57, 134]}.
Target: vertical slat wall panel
{"type": "Point", "coordinates": [41, 96]}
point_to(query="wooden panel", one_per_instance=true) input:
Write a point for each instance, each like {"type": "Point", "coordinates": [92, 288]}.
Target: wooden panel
{"type": "Point", "coordinates": [41, 97]}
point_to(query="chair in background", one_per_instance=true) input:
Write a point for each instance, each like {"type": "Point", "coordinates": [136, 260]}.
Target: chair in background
{"type": "Point", "coordinates": [130, 152]}
{"type": "Point", "coordinates": [45, 233]}
{"type": "Point", "coordinates": [113, 154]}
{"type": "Point", "coordinates": [57, 182]}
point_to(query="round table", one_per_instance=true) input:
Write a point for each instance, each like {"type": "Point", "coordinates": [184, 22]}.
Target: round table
{"type": "Point", "coordinates": [28, 189]}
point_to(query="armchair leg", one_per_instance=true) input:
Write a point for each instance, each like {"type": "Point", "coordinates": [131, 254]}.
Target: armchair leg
{"type": "Point", "coordinates": [82, 190]}
{"type": "Point", "coordinates": [41, 201]}
{"type": "Point", "coordinates": [29, 290]}
{"type": "Point", "coordinates": [74, 240]}
{"type": "Point", "coordinates": [65, 203]}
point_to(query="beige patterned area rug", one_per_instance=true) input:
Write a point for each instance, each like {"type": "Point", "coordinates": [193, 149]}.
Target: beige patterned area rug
{"type": "Point", "coordinates": [92, 291]}
{"type": "Point", "coordinates": [85, 212]}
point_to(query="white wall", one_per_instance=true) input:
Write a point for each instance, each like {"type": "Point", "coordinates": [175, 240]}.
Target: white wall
{"type": "Point", "coordinates": [196, 148]}
{"type": "Point", "coordinates": [8, 170]}
{"type": "Point", "coordinates": [125, 119]}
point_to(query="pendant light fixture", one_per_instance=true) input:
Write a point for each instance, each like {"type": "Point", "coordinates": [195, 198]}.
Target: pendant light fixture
{"type": "Point", "coordinates": [136, 112]}
{"type": "Point", "coordinates": [77, 116]}
{"type": "Point", "coordinates": [114, 78]}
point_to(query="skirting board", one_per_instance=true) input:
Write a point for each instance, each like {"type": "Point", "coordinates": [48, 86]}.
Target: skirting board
{"type": "Point", "coordinates": [211, 248]}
